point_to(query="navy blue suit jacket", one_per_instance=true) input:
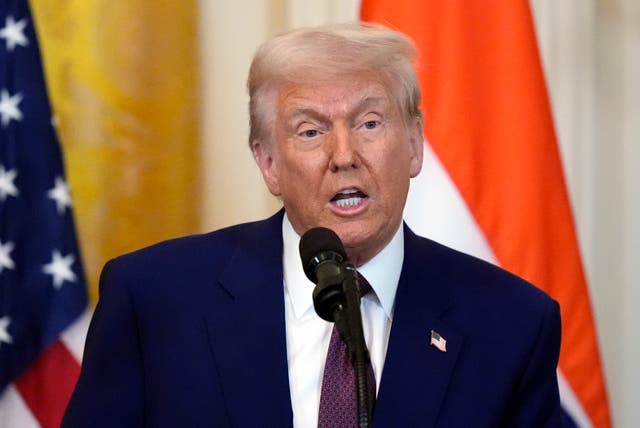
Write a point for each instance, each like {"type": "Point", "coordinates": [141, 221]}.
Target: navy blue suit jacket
{"type": "Point", "coordinates": [191, 333]}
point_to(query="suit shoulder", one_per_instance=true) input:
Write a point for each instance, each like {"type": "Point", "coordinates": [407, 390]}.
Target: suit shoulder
{"type": "Point", "coordinates": [197, 251]}
{"type": "Point", "coordinates": [477, 279]}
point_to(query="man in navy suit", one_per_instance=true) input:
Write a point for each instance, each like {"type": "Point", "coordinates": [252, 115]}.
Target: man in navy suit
{"type": "Point", "coordinates": [219, 329]}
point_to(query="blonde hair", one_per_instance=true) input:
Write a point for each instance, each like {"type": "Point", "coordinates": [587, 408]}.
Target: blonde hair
{"type": "Point", "coordinates": [325, 52]}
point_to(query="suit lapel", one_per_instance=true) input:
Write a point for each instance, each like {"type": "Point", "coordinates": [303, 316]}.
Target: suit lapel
{"type": "Point", "coordinates": [247, 329]}
{"type": "Point", "coordinates": [416, 374]}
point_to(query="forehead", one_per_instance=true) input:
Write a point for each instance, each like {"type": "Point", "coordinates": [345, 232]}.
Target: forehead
{"type": "Point", "coordinates": [336, 97]}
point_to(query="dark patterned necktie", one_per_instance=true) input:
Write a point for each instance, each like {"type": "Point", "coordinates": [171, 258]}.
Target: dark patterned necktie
{"type": "Point", "coordinates": [338, 400]}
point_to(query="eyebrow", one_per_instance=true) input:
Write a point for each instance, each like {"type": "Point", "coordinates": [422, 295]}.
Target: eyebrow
{"type": "Point", "coordinates": [368, 102]}
{"type": "Point", "coordinates": [364, 104]}
{"type": "Point", "coordinates": [305, 112]}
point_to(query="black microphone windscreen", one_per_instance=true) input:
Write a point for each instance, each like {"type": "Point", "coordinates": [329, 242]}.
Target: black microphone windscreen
{"type": "Point", "coordinates": [314, 242]}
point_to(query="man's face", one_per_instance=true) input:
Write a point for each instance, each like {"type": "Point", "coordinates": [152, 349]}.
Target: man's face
{"type": "Point", "coordinates": [341, 157]}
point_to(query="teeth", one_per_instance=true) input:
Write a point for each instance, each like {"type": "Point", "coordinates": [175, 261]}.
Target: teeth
{"type": "Point", "coordinates": [349, 202]}
{"type": "Point", "coordinates": [348, 191]}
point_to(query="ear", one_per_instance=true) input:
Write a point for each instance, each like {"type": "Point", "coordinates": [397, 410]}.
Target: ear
{"type": "Point", "coordinates": [263, 154]}
{"type": "Point", "coordinates": [416, 147]}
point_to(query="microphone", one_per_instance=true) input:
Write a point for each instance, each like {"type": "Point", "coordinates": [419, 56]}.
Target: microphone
{"type": "Point", "coordinates": [323, 257]}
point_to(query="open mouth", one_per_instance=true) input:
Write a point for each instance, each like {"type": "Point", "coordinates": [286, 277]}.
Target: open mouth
{"type": "Point", "coordinates": [349, 198]}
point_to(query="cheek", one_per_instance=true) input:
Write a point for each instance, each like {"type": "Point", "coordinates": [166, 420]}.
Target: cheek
{"type": "Point", "coordinates": [395, 170]}
{"type": "Point", "coordinates": [304, 165]}
{"type": "Point", "coordinates": [395, 158]}
{"type": "Point", "coordinates": [300, 179]}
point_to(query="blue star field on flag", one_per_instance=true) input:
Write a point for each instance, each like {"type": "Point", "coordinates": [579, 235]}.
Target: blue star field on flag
{"type": "Point", "coordinates": [42, 286]}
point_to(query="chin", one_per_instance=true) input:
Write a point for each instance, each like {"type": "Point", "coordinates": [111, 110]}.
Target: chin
{"type": "Point", "coordinates": [352, 236]}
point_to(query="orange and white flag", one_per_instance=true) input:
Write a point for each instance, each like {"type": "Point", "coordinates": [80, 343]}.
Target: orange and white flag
{"type": "Point", "coordinates": [492, 184]}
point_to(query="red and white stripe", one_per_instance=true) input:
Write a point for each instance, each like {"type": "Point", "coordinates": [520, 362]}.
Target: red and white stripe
{"type": "Point", "coordinates": [39, 397]}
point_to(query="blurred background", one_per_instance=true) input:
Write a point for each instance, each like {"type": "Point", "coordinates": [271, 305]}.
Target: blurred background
{"type": "Point", "coordinates": [151, 110]}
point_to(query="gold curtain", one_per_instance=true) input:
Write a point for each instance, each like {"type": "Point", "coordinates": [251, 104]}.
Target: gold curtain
{"type": "Point", "coordinates": [122, 78]}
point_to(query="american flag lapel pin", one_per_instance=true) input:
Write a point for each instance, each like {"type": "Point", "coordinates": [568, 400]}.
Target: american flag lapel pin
{"type": "Point", "coordinates": [438, 341]}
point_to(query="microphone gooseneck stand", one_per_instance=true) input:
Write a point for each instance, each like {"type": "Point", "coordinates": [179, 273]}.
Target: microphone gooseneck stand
{"type": "Point", "coordinates": [338, 299]}
{"type": "Point", "coordinates": [358, 351]}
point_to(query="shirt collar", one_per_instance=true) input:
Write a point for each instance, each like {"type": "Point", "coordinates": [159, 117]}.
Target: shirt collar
{"type": "Point", "coordinates": [382, 272]}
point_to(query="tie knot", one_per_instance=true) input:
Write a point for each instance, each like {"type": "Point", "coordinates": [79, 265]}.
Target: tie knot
{"type": "Point", "coordinates": [363, 285]}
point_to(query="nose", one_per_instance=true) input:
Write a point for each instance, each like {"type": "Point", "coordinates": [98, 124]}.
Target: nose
{"type": "Point", "coordinates": [344, 154]}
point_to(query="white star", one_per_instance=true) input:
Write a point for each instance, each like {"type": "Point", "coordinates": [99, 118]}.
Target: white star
{"type": "Point", "coordinates": [13, 33]}
{"type": "Point", "coordinates": [4, 334]}
{"type": "Point", "coordinates": [7, 187]}
{"type": "Point", "coordinates": [5, 256]}
{"type": "Point", "coordinates": [60, 269]}
{"type": "Point", "coordinates": [9, 107]}
{"type": "Point", "coordinates": [61, 194]}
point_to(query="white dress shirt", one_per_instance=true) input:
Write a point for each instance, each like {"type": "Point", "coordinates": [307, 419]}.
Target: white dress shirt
{"type": "Point", "coordinates": [308, 335]}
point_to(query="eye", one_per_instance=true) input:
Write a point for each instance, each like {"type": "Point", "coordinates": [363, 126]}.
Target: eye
{"type": "Point", "coordinates": [309, 131]}
{"type": "Point", "coordinates": [371, 124]}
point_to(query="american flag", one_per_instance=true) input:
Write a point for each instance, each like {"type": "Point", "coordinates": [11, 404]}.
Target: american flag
{"type": "Point", "coordinates": [438, 341]}
{"type": "Point", "coordinates": [42, 287]}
